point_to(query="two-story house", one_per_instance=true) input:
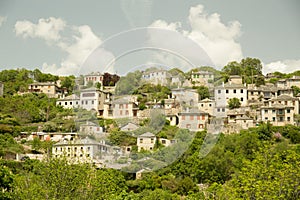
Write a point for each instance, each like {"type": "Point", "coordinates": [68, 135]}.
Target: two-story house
{"type": "Point", "coordinates": [123, 107]}
{"type": "Point", "coordinates": [233, 89]}
{"type": "Point", "coordinates": [202, 78]}
{"type": "Point", "coordinates": [156, 77]}
{"type": "Point", "coordinates": [51, 89]}
{"type": "Point", "coordinates": [94, 78]}
{"type": "Point", "coordinates": [80, 150]}
{"type": "Point", "coordinates": [207, 105]}
{"type": "Point", "coordinates": [90, 128]}
{"type": "Point", "coordinates": [94, 99]}
{"type": "Point", "coordinates": [194, 120]}
{"type": "Point", "coordinates": [71, 101]}
{"type": "Point", "coordinates": [146, 141]}
{"type": "Point", "coordinates": [280, 110]}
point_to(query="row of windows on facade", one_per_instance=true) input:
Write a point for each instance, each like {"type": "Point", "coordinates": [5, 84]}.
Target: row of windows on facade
{"type": "Point", "coordinates": [203, 105]}
{"type": "Point", "coordinates": [189, 126]}
{"type": "Point", "coordinates": [93, 78]}
{"type": "Point", "coordinates": [241, 99]}
{"type": "Point", "coordinates": [75, 155]}
{"type": "Point", "coordinates": [203, 76]}
{"type": "Point", "coordinates": [281, 119]}
{"type": "Point", "coordinates": [69, 149]}
{"type": "Point", "coordinates": [202, 117]}
{"type": "Point", "coordinates": [141, 140]}
{"type": "Point", "coordinates": [280, 111]}
{"type": "Point", "coordinates": [82, 102]}
{"type": "Point", "coordinates": [234, 91]}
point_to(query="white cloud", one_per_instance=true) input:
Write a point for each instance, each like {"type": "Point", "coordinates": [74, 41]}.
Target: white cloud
{"type": "Point", "coordinates": [47, 29]}
{"type": "Point", "coordinates": [285, 66]}
{"type": "Point", "coordinates": [207, 30]}
{"type": "Point", "coordinates": [78, 45]}
{"type": "Point", "coordinates": [2, 20]}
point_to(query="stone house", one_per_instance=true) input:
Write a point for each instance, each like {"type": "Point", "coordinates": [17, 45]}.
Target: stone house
{"type": "Point", "coordinates": [51, 89]}
{"type": "Point", "coordinates": [280, 110]}
{"type": "Point", "coordinates": [80, 150]}
{"type": "Point", "coordinates": [90, 128]}
{"type": "Point", "coordinates": [194, 120]}
{"type": "Point", "coordinates": [146, 141]}
{"type": "Point", "coordinates": [69, 102]}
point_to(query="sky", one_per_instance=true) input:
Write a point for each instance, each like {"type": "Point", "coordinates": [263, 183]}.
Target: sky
{"type": "Point", "coordinates": [67, 37]}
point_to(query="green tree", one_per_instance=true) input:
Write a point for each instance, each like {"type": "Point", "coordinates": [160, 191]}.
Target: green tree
{"type": "Point", "coordinates": [234, 103]}
{"type": "Point", "coordinates": [6, 181]}
{"type": "Point", "coordinates": [69, 83]}
{"type": "Point", "coordinates": [203, 92]}
{"type": "Point", "coordinates": [271, 175]}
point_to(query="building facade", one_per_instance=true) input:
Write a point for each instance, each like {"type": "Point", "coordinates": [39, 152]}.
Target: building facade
{"type": "Point", "coordinates": [69, 102]}
{"type": "Point", "coordinates": [280, 111]}
{"type": "Point", "coordinates": [194, 120]}
{"type": "Point", "coordinates": [51, 89]}
{"type": "Point", "coordinates": [146, 141]}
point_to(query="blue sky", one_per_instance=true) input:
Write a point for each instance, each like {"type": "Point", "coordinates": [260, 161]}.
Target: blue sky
{"type": "Point", "coordinates": [58, 36]}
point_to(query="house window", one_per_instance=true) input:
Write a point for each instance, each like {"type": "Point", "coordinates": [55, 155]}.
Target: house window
{"type": "Point", "coordinates": [200, 125]}
{"type": "Point", "coordinates": [223, 109]}
{"type": "Point", "coordinates": [127, 112]}
{"type": "Point", "coordinates": [203, 117]}
{"type": "Point", "coordinates": [266, 118]}
{"type": "Point", "coordinates": [163, 141]}
{"type": "Point", "coordinates": [92, 101]}
{"type": "Point", "coordinates": [141, 140]}
{"type": "Point", "coordinates": [234, 91]}
{"type": "Point", "coordinates": [188, 126]}
{"type": "Point", "coordinates": [227, 91]}
{"type": "Point", "coordinates": [242, 99]}
{"type": "Point", "coordinates": [218, 109]}
{"type": "Point", "coordinates": [152, 140]}
{"type": "Point", "coordinates": [89, 148]}
{"type": "Point", "coordinates": [242, 91]}
{"type": "Point", "coordinates": [66, 103]}
{"type": "Point", "coordinates": [266, 111]}
{"type": "Point", "coordinates": [252, 93]}
{"type": "Point", "coordinates": [191, 117]}
{"type": "Point", "coordinates": [86, 102]}
{"type": "Point", "coordinates": [121, 113]}
{"type": "Point", "coordinates": [273, 111]}
{"type": "Point", "coordinates": [71, 103]}
{"type": "Point", "coordinates": [209, 105]}
{"type": "Point", "coordinates": [219, 91]}
{"type": "Point", "coordinates": [198, 117]}
{"type": "Point", "coordinates": [273, 119]}
{"type": "Point", "coordinates": [281, 119]}
{"type": "Point", "coordinates": [288, 111]}
{"type": "Point", "coordinates": [202, 105]}
{"type": "Point", "coordinates": [288, 119]}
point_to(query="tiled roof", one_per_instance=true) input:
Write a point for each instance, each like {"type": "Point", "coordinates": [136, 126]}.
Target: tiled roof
{"type": "Point", "coordinates": [147, 135]}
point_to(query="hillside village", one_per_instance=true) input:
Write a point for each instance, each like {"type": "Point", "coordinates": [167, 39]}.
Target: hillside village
{"type": "Point", "coordinates": [187, 131]}
{"type": "Point", "coordinates": [187, 101]}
